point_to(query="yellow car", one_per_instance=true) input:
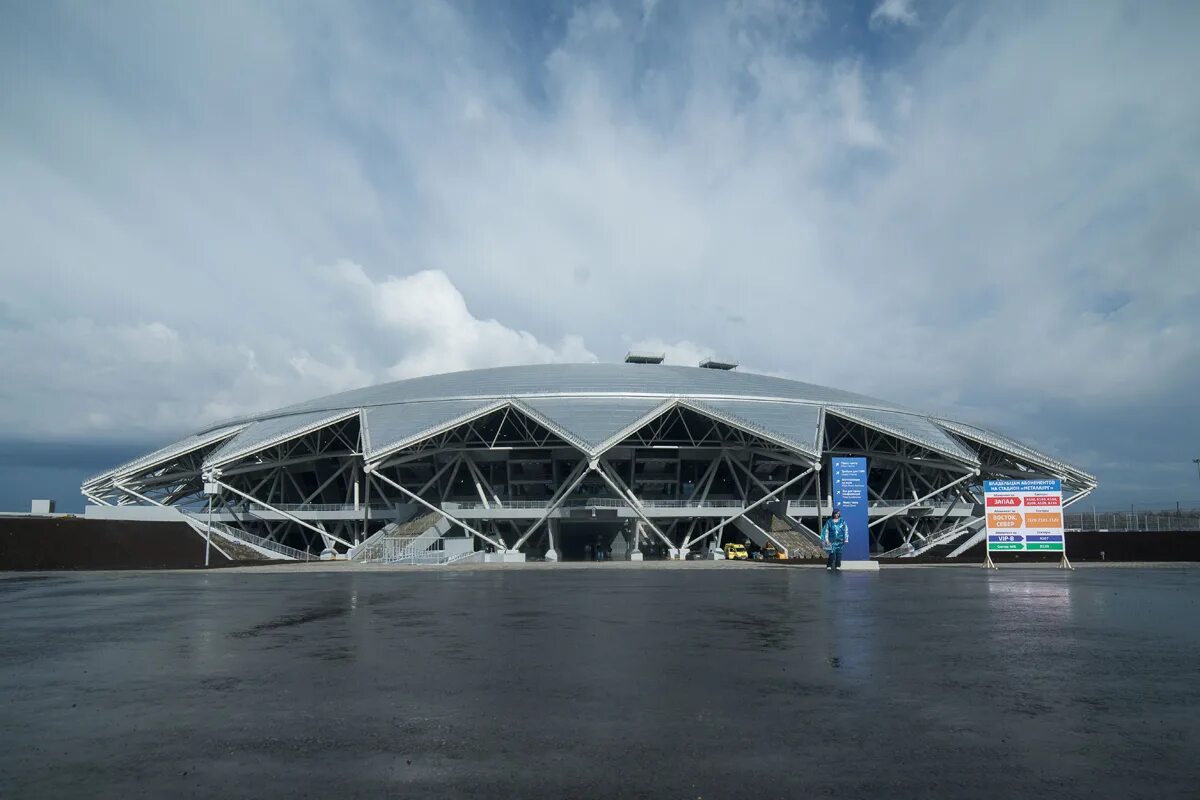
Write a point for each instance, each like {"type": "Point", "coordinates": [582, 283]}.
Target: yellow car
{"type": "Point", "coordinates": [735, 551]}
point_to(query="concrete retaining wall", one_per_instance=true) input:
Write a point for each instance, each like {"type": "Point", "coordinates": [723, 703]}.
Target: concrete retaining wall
{"type": "Point", "coordinates": [52, 543]}
{"type": "Point", "coordinates": [1088, 545]}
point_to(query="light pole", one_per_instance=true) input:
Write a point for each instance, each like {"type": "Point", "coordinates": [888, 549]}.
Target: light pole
{"type": "Point", "coordinates": [210, 489]}
{"type": "Point", "coordinates": [1196, 461]}
{"type": "Point", "coordinates": [208, 533]}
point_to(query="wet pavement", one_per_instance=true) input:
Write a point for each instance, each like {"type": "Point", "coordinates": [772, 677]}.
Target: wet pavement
{"type": "Point", "coordinates": [689, 683]}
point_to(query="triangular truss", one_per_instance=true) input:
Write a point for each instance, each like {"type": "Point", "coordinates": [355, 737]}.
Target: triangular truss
{"type": "Point", "coordinates": [268, 433]}
{"type": "Point", "coordinates": [1024, 456]}
{"type": "Point", "coordinates": [593, 424]}
{"type": "Point", "coordinates": [387, 429]}
{"type": "Point", "coordinates": [794, 425]}
{"type": "Point", "coordinates": [912, 428]}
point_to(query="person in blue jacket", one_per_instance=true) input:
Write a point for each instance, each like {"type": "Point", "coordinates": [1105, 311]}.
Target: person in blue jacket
{"type": "Point", "coordinates": [834, 535]}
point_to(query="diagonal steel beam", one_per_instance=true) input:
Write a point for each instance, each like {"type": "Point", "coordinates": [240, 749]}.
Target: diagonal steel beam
{"type": "Point", "coordinates": [329, 480]}
{"type": "Point", "coordinates": [498, 545]}
{"type": "Point", "coordinates": [482, 482]}
{"type": "Point", "coordinates": [95, 499]}
{"type": "Point", "coordinates": [573, 480]}
{"type": "Point", "coordinates": [628, 496]}
{"type": "Point", "coordinates": [721, 525]}
{"type": "Point", "coordinates": [139, 496]}
{"type": "Point", "coordinates": [919, 500]}
{"type": "Point", "coordinates": [325, 535]}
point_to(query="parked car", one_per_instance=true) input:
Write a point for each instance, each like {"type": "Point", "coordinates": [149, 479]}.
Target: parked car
{"type": "Point", "coordinates": [705, 554]}
{"type": "Point", "coordinates": [734, 551]}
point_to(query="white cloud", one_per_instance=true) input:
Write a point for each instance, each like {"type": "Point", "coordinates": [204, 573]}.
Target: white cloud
{"type": "Point", "coordinates": [427, 318]}
{"type": "Point", "coordinates": [849, 92]}
{"type": "Point", "coordinates": [894, 12]}
{"type": "Point", "coordinates": [630, 175]}
{"type": "Point", "coordinates": [145, 379]}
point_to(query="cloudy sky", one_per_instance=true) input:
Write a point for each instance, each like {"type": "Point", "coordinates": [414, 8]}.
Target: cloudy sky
{"type": "Point", "coordinates": [986, 209]}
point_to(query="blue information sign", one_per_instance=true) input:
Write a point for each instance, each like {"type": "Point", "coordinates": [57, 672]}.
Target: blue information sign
{"type": "Point", "coordinates": [850, 495]}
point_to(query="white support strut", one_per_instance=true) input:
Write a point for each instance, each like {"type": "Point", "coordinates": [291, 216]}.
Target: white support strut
{"type": "Point", "coordinates": [138, 495]}
{"type": "Point", "coordinates": [753, 505]}
{"type": "Point", "coordinates": [634, 503]}
{"type": "Point", "coordinates": [922, 499]}
{"type": "Point", "coordinates": [371, 469]}
{"type": "Point", "coordinates": [573, 480]}
{"type": "Point", "coordinates": [324, 534]}
{"type": "Point", "coordinates": [97, 500]}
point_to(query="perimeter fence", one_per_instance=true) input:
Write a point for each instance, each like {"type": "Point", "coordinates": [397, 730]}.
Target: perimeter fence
{"type": "Point", "coordinates": [1183, 520]}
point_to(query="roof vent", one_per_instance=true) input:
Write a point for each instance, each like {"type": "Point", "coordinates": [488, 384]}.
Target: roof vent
{"type": "Point", "coordinates": [712, 363]}
{"type": "Point", "coordinates": [644, 358]}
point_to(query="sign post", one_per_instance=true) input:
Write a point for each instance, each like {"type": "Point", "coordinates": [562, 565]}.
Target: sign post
{"type": "Point", "coordinates": [1025, 516]}
{"type": "Point", "coordinates": [849, 491]}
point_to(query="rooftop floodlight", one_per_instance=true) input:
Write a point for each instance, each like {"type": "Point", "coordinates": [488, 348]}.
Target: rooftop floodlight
{"type": "Point", "coordinates": [644, 358]}
{"type": "Point", "coordinates": [712, 363]}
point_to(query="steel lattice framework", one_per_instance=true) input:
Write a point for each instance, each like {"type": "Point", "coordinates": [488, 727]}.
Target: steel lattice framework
{"type": "Point", "coordinates": [665, 457]}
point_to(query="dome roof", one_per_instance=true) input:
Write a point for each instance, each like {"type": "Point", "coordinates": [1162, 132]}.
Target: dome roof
{"type": "Point", "coordinates": [580, 380]}
{"type": "Point", "coordinates": [592, 406]}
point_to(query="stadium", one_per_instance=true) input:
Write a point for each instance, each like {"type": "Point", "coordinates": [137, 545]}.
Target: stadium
{"type": "Point", "coordinates": [637, 460]}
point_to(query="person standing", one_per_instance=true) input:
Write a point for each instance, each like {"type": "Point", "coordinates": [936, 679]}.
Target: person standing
{"type": "Point", "coordinates": [834, 535]}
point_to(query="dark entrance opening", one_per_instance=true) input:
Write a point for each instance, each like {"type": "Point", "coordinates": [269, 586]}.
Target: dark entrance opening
{"type": "Point", "coordinates": [580, 539]}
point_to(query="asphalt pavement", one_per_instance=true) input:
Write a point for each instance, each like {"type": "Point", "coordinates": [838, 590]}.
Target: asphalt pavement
{"type": "Point", "coordinates": [724, 681]}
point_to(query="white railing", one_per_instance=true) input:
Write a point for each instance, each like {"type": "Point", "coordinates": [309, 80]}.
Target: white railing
{"type": "Point", "coordinates": [294, 507]}
{"type": "Point", "coordinates": [407, 550]}
{"type": "Point", "coordinates": [883, 504]}
{"type": "Point", "coordinates": [385, 548]}
{"type": "Point", "coordinates": [470, 505]}
{"type": "Point", "coordinates": [436, 558]}
{"type": "Point", "coordinates": [919, 546]}
{"type": "Point", "coordinates": [692, 504]}
{"type": "Point", "coordinates": [1186, 520]}
{"type": "Point", "coordinates": [239, 535]}
{"type": "Point", "coordinates": [592, 502]}
{"type": "Point", "coordinates": [355, 552]}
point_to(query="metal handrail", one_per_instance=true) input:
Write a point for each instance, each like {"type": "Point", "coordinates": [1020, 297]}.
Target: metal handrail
{"type": "Point", "coordinates": [876, 503]}
{"type": "Point", "coordinates": [384, 551]}
{"type": "Point", "coordinates": [354, 552]}
{"type": "Point", "coordinates": [249, 538]}
{"type": "Point", "coordinates": [321, 507]}
{"type": "Point", "coordinates": [910, 549]}
{"type": "Point", "coordinates": [692, 504]}
{"type": "Point", "coordinates": [592, 502]}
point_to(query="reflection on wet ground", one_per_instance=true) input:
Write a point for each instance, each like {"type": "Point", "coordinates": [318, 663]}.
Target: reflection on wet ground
{"type": "Point", "coordinates": [935, 682]}
{"type": "Point", "coordinates": [288, 620]}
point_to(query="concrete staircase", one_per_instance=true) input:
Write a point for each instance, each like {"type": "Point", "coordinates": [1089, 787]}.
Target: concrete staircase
{"type": "Point", "coordinates": [398, 542]}
{"type": "Point", "coordinates": [799, 542]}
{"type": "Point", "coordinates": [239, 545]}
{"type": "Point", "coordinates": [781, 537]}
{"type": "Point", "coordinates": [947, 545]}
{"type": "Point", "coordinates": [235, 550]}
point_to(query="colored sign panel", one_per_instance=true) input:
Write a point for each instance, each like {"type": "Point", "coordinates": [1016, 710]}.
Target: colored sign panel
{"type": "Point", "coordinates": [1024, 516]}
{"type": "Point", "coordinates": [850, 495]}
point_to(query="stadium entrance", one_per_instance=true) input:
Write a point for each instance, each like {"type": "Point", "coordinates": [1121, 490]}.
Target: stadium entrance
{"type": "Point", "coordinates": [593, 540]}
